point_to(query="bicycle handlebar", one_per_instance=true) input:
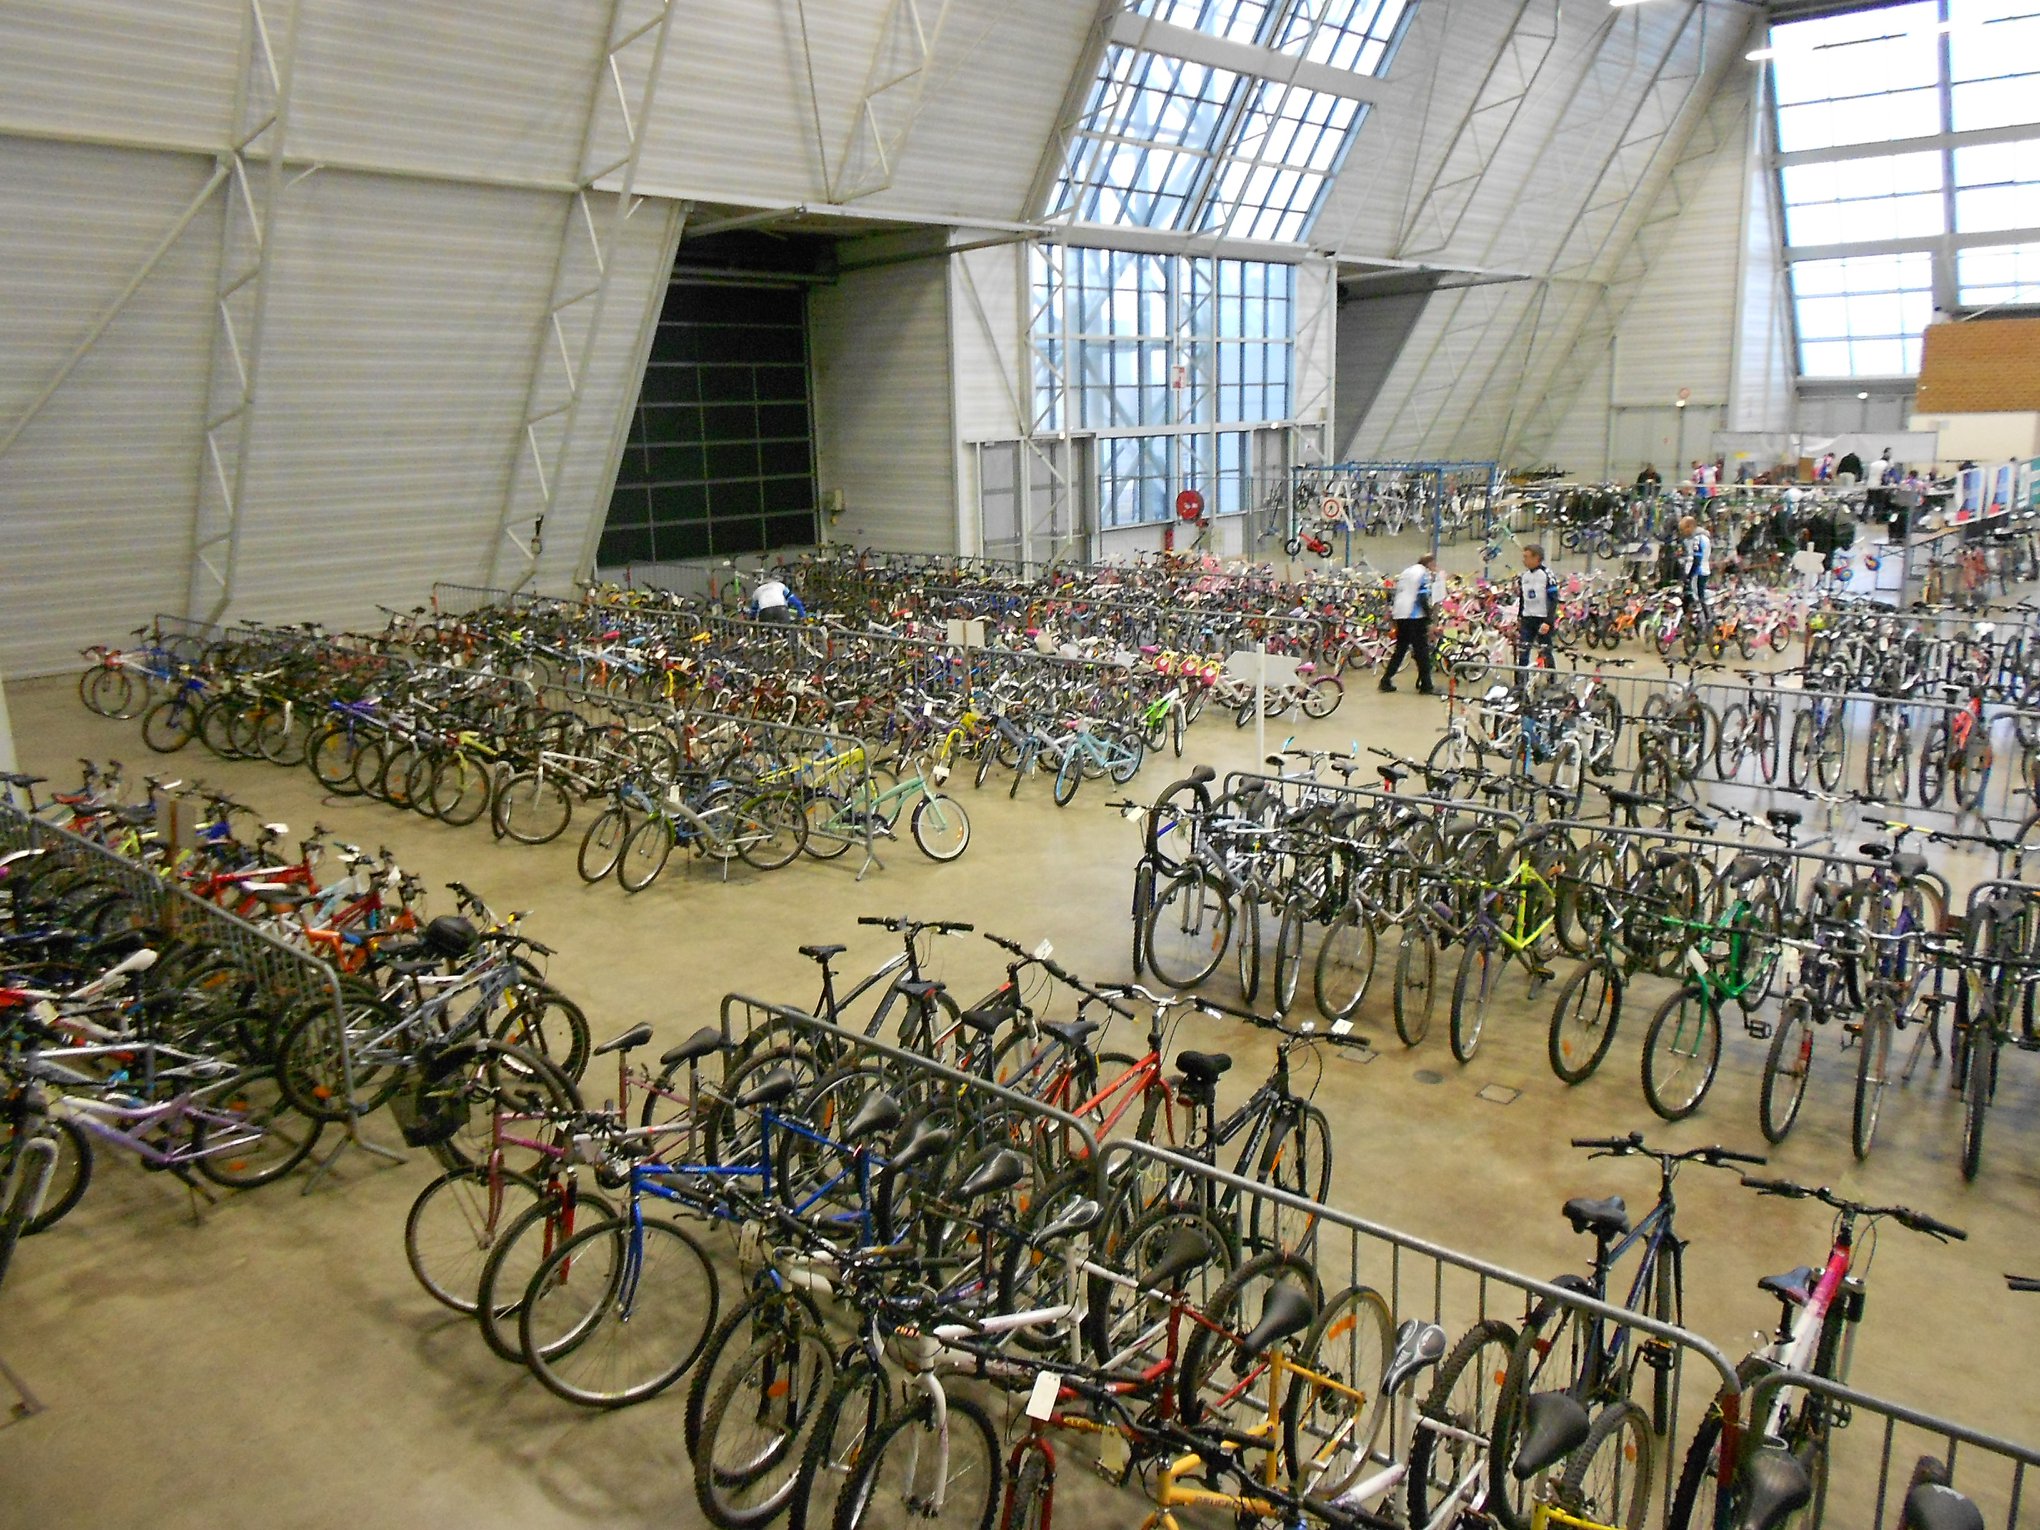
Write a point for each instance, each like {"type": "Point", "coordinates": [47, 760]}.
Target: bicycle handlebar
{"type": "Point", "coordinates": [902, 925]}
{"type": "Point", "coordinates": [1905, 1216]}
{"type": "Point", "coordinates": [2023, 1282]}
{"type": "Point", "coordinates": [1633, 1143]}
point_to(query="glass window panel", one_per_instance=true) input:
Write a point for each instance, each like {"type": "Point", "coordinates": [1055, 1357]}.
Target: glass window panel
{"type": "Point", "coordinates": [1826, 358]}
{"type": "Point", "coordinates": [1862, 316]}
{"type": "Point", "coordinates": [1860, 53]}
{"type": "Point", "coordinates": [1823, 318]}
{"type": "Point", "coordinates": [1997, 274]}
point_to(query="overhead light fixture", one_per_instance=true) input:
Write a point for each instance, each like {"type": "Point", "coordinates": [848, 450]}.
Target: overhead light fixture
{"type": "Point", "coordinates": [1758, 55]}
{"type": "Point", "coordinates": [1863, 397]}
{"type": "Point", "coordinates": [1619, 4]}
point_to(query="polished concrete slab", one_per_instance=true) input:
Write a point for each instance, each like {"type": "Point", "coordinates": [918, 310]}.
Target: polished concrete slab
{"type": "Point", "coordinates": [276, 1363]}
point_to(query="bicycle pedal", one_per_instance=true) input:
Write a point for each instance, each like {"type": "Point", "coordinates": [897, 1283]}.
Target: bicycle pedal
{"type": "Point", "coordinates": [1758, 1030]}
{"type": "Point", "coordinates": [1657, 1354]}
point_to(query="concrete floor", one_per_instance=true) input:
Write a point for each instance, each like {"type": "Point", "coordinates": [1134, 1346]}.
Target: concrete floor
{"type": "Point", "coordinates": [277, 1363]}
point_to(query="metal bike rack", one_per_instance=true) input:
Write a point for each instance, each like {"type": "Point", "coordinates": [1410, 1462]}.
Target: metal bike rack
{"type": "Point", "coordinates": [1843, 1499]}
{"type": "Point", "coordinates": [293, 976]}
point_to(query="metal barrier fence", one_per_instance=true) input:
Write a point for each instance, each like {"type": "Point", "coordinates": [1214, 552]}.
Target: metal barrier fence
{"type": "Point", "coordinates": [1987, 1469]}
{"type": "Point", "coordinates": [291, 980]}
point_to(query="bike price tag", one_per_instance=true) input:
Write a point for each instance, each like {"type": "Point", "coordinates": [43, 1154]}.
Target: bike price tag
{"type": "Point", "coordinates": [1342, 1027]}
{"type": "Point", "coordinates": [1696, 961]}
{"type": "Point", "coordinates": [1041, 1401]}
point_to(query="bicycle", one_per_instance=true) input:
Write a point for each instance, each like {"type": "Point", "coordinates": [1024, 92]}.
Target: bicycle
{"type": "Point", "coordinates": [1560, 1349]}
{"type": "Point", "coordinates": [1513, 919]}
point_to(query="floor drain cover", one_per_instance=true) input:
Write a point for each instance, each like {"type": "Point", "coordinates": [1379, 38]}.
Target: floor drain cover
{"type": "Point", "coordinates": [1498, 1094]}
{"type": "Point", "coordinates": [1429, 1076]}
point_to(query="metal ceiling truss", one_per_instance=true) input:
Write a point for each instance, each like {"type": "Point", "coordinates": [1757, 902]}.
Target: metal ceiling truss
{"type": "Point", "coordinates": [1433, 223]}
{"type": "Point", "coordinates": [1624, 254]}
{"type": "Point", "coordinates": [1622, 173]}
{"type": "Point", "coordinates": [612, 141]}
{"type": "Point", "coordinates": [893, 86]}
{"type": "Point", "coordinates": [251, 169]}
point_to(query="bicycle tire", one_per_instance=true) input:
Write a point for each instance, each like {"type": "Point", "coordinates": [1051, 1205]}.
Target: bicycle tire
{"type": "Point", "coordinates": [107, 691]}
{"type": "Point", "coordinates": [1472, 992]}
{"type": "Point", "coordinates": [559, 1335]}
{"type": "Point", "coordinates": [1549, 1355]}
{"type": "Point", "coordinates": [602, 846]}
{"type": "Point", "coordinates": [533, 809]}
{"type": "Point", "coordinates": [461, 791]}
{"type": "Point", "coordinates": [1344, 969]}
{"type": "Point", "coordinates": [1787, 1066]}
{"type": "Point", "coordinates": [168, 725]}
{"type": "Point", "coordinates": [776, 1389]}
{"type": "Point", "coordinates": [473, 1199]}
{"type": "Point", "coordinates": [644, 855]}
{"type": "Point", "coordinates": [1873, 1073]}
{"type": "Point", "coordinates": [1350, 1345]}
{"type": "Point", "coordinates": [1188, 928]}
{"type": "Point", "coordinates": [1416, 984]}
{"type": "Point", "coordinates": [1979, 1083]}
{"type": "Point", "coordinates": [1297, 1160]}
{"type": "Point", "coordinates": [512, 1257]}
{"type": "Point", "coordinates": [1681, 1053]}
{"type": "Point", "coordinates": [1069, 776]}
{"type": "Point", "coordinates": [1465, 1395]}
{"type": "Point", "coordinates": [70, 1175]}
{"type": "Point", "coordinates": [979, 1478]}
{"type": "Point", "coordinates": [1584, 1019]}
{"type": "Point", "coordinates": [1113, 1315]}
{"type": "Point", "coordinates": [1288, 956]}
{"type": "Point", "coordinates": [857, 1405]}
{"type": "Point", "coordinates": [766, 1303]}
{"type": "Point", "coordinates": [1608, 1477]}
{"type": "Point", "coordinates": [287, 1136]}
{"type": "Point", "coordinates": [940, 827]}
{"type": "Point", "coordinates": [772, 830]}
{"type": "Point", "coordinates": [1236, 1391]}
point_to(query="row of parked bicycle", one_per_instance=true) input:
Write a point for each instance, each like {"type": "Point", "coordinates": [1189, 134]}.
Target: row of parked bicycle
{"type": "Point", "coordinates": [171, 1002]}
{"type": "Point", "coordinates": [1409, 908]}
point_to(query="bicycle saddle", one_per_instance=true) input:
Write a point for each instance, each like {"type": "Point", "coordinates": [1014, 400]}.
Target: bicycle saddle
{"type": "Point", "coordinates": [986, 1019]}
{"type": "Point", "coordinates": [1203, 1067]}
{"type": "Point", "coordinates": [1784, 818]}
{"type": "Point", "coordinates": [1936, 1506]}
{"type": "Point", "coordinates": [1188, 1249]}
{"type": "Point", "coordinates": [1623, 797]}
{"type": "Point", "coordinates": [1794, 1286]}
{"type": "Point", "coordinates": [1555, 1424]}
{"type": "Point", "coordinates": [704, 1041]}
{"type": "Point", "coordinates": [1002, 1171]}
{"type": "Point", "coordinates": [769, 1090]}
{"type": "Point", "coordinates": [1775, 1484]}
{"type": "Point", "coordinates": [1605, 1219]}
{"type": "Point", "coordinates": [1746, 868]}
{"type": "Point", "coordinates": [630, 1040]}
{"type": "Point", "coordinates": [880, 1112]}
{"type": "Point", "coordinates": [1072, 1032]}
{"type": "Point", "coordinates": [1202, 774]}
{"type": "Point", "coordinates": [822, 953]}
{"type": "Point", "coordinates": [1288, 1310]}
{"type": "Point", "coordinates": [1391, 773]}
{"type": "Point", "coordinates": [924, 1139]}
{"type": "Point", "coordinates": [1078, 1216]}
{"type": "Point", "coordinates": [919, 988]}
{"type": "Point", "coordinates": [1417, 1345]}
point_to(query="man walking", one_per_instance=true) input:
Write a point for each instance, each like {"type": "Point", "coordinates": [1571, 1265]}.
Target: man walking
{"type": "Point", "coordinates": [1411, 608]}
{"type": "Point", "coordinates": [1699, 564]}
{"type": "Point", "coordinates": [1536, 608]}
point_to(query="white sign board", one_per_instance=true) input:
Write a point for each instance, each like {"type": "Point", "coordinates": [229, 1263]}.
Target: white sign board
{"type": "Point", "coordinates": [1254, 666]}
{"type": "Point", "coordinates": [966, 634]}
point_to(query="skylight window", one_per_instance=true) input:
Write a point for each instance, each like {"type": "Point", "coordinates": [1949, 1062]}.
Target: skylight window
{"type": "Point", "coordinates": [1172, 143]}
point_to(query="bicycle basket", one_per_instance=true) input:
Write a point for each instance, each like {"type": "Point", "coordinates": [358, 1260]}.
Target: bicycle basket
{"type": "Point", "coordinates": [430, 1117]}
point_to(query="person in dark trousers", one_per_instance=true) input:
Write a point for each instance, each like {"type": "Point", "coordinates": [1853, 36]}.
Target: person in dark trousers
{"type": "Point", "coordinates": [1536, 608]}
{"type": "Point", "coordinates": [1411, 607]}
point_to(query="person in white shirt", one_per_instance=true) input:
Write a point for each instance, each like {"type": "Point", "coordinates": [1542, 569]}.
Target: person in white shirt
{"type": "Point", "coordinates": [1699, 564]}
{"type": "Point", "coordinates": [772, 601]}
{"type": "Point", "coordinates": [1415, 589]}
{"type": "Point", "coordinates": [1536, 608]}
{"type": "Point", "coordinates": [1808, 566]}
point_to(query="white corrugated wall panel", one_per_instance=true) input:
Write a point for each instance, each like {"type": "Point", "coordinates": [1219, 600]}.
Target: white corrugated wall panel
{"type": "Point", "coordinates": [884, 426]}
{"type": "Point", "coordinates": [400, 328]}
{"type": "Point", "coordinates": [1317, 322]}
{"type": "Point", "coordinates": [498, 90]}
{"type": "Point", "coordinates": [992, 391]}
{"type": "Point", "coordinates": [147, 70]}
{"type": "Point", "coordinates": [96, 496]}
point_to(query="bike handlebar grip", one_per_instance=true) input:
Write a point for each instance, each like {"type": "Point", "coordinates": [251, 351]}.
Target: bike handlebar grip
{"type": "Point", "coordinates": [1774, 1186]}
{"type": "Point", "coordinates": [873, 919]}
{"type": "Point", "coordinates": [2022, 1282]}
{"type": "Point", "coordinates": [1634, 1139]}
{"type": "Point", "coordinates": [1919, 1221]}
{"type": "Point", "coordinates": [1724, 1155]}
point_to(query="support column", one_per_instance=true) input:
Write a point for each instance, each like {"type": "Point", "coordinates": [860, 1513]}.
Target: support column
{"type": "Point", "coordinates": [612, 139]}
{"type": "Point", "coordinates": [252, 168]}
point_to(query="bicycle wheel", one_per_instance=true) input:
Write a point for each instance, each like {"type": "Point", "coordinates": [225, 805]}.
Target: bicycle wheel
{"type": "Point", "coordinates": [1069, 776]}
{"type": "Point", "coordinates": [1681, 1053]}
{"type": "Point", "coordinates": [1799, 761]}
{"type": "Point", "coordinates": [456, 1222]}
{"type": "Point", "coordinates": [855, 1408]}
{"type": "Point", "coordinates": [108, 690]}
{"type": "Point", "coordinates": [1769, 740]}
{"type": "Point", "coordinates": [771, 829]}
{"type": "Point", "coordinates": [1216, 1384]}
{"type": "Point", "coordinates": [168, 725]}
{"type": "Point", "coordinates": [1480, 974]}
{"type": "Point", "coordinates": [1873, 1072]}
{"type": "Point", "coordinates": [1188, 928]}
{"type": "Point", "coordinates": [1933, 772]}
{"type": "Point", "coordinates": [461, 791]}
{"type": "Point", "coordinates": [1550, 1355]}
{"type": "Point", "coordinates": [1123, 1323]}
{"type": "Point", "coordinates": [618, 1313]}
{"type": "Point", "coordinates": [1416, 984]}
{"type": "Point", "coordinates": [1321, 697]}
{"type": "Point", "coordinates": [1732, 747]}
{"type": "Point", "coordinates": [69, 1175]}
{"type": "Point", "coordinates": [1608, 1477]}
{"type": "Point", "coordinates": [1329, 1427]}
{"type": "Point", "coordinates": [546, 1023]}
{"type": "Point", "coordinates": [767, 1309]}
{"type": "Point", "coordinates": [262, 1138]}
{"type": "Point", "coordinates": [1446, 1465]}
{"type": "Point", "coordinates": [917, 1473]}
{"type": "Point", "coordinates": [754, 1430]}
{"type": "Point", "coordinates": [644, 855]}
{"type": "Point", "coordinates": [1786, 1068]}
{"type": "Point", "coordinates": [1345, 964]}
{"type": "Point", "coordinates": [602, 845]}
{"type": "Point", "coordinates": [1979, 1083]}
{"type": "Point", "coordinates": [1143, 897]}
{"type": "Point", "coordinates": [1298, 1160]}
{"type": "Point", "coordinates": [1583, 1020]}
{"type": "Point", "coordinates": [940, 827]}
{"type": "Point", "coordinates": [533, 809]}
{"type": "Point", "coordinates": [514, 1253]}
{"type": "Point", "coordinates": [329, 752]}
{"type": "Point", "coordinates": [1288, 956]}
